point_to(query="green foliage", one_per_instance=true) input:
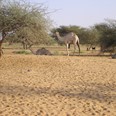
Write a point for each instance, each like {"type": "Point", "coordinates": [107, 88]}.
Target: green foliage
{"type": "Point", "coordinates": [27, 22]}
{"type": "Point", "coordinates": [107, 33]}
{"type": "Point", "coordinates": [22, 52]}
{"type": "Point", "coordinates": [66, 29]}
{"type": "Point", "coordinates": [90, 36]}
{"type": "Point", "coordinates": [56, 53]}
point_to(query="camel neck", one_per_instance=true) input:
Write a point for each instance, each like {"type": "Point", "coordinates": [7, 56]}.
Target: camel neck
{"type": "Point", "coordinates": [60, 38]}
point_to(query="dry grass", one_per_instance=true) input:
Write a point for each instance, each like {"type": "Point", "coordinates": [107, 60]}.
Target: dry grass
{"type": "Point", "coordinates": [55, 50]}
{"type": "Point", "coordinates": [57, 86]}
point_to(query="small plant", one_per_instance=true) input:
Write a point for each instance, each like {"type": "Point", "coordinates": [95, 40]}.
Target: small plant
{"type": "Point", "coordinates": [21, 52]}
{"type": "Point", "coordinates": [56, 53]}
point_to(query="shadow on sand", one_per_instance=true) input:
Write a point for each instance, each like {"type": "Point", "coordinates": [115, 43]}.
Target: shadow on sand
{"type": "Point", "coordinates": [92, 91]}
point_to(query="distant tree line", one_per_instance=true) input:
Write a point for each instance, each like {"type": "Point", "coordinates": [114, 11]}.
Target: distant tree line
{"type": "Point", "coordinates": [102, 34]}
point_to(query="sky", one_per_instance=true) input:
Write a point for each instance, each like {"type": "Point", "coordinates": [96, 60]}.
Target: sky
{"type": "Point", "coordinates": [84, 13]}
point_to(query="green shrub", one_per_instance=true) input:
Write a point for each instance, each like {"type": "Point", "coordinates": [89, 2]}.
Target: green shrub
{"type": "Point", "coordinates": [21, 52]}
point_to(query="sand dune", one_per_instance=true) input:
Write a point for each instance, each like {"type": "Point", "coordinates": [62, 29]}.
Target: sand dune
{"type": "Point", "coordinates": [57, 86]}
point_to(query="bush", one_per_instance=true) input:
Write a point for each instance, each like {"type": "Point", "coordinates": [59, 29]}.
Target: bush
{"type": "Point", "coordinates": [22, 52]}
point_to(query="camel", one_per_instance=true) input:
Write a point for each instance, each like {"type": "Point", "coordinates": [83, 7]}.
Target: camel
{"type": "Point", "coordinates": [41, 51]}
{"type": "Point", "coordinates": [70, 38]}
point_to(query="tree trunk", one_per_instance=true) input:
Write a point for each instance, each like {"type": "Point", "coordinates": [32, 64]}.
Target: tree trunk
{"type": "Point", "coordinates": [1, 52]}
{"type": "Point", "coordinates": [90, 47]}
{"type": "Point", "coordinates": [1, 42]}
{"type": "Point", "coordinates": [33, 52]}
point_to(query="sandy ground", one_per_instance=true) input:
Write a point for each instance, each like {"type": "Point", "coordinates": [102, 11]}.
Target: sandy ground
{"type": "Point", "coordinates": [57, 86]}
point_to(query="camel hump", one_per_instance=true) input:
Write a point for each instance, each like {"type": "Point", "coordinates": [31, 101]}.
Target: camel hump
{"type": "Point", "coordinates": [73, 34]}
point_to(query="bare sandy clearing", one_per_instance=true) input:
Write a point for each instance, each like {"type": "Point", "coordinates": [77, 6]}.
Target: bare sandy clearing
{"type": "Point", "coordinates": [57, 85]}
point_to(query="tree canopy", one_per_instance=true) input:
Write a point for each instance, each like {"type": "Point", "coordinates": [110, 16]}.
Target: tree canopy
{"type": "Point", "coordinates": [28, 22]}
{"type": "Point", "coordinates": [107, 32]}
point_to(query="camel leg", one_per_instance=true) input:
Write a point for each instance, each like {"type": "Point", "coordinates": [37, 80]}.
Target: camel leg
{"type": "Point", "coordinates": [75, 47]}
{"type": "Point", "coordinates": [67, 49]}
{"type": "Point", "coordinates": [78, 48]}
{"type": "Point", "coordinates": [1, 52]}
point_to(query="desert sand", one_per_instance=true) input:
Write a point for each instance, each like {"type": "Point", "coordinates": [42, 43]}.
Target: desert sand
{"type": "Point", "coordinates": [57, 86]}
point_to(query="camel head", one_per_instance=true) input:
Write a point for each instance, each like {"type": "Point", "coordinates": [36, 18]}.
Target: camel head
{"type": "Point", "coordinates": [57, 33]}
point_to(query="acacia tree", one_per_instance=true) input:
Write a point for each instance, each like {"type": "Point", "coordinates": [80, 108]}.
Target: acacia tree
{"type": "Point", "coordinates": [107, 31]}
{"type": "Point", "coordinates": [90, 37]}
{"type": "Point", "coordinates": [26, 21]}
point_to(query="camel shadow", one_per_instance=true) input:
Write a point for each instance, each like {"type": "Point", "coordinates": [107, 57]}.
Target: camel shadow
{"type": "Point", "coordinates": [92, 91]}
